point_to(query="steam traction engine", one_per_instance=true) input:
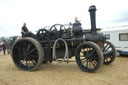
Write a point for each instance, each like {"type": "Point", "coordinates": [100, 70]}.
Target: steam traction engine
{"type": "Point", "coordinates": [59, 43]}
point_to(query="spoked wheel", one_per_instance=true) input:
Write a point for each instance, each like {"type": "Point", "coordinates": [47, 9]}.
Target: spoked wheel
{"type": "Point", "coordinates": [27, 54]}
{"type": "Point", "coordinates": [109, 52]}
{"type": "Point", "coordinates": [42, 34]}
{"type": "Point", "coordinates": [89, 56]}
{"type": "Point", "coordinates": [57, 27]}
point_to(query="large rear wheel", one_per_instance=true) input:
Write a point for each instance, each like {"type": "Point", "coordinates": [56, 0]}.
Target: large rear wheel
{"type": "Point", "coordinates": [27, 54]}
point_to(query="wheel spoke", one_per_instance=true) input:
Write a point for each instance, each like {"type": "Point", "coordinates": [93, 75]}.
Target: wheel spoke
{"type": "Point", "coordinates": [94, 58]}
{"type": "Point", "coordinates": [83, 61]}
{"type": "Point", "coordinates": [106, 60]}
{"type": "Point", "coordinates": [32, 50]}
{"type": "Point", "coordinates": [93, 64]}
{"type": "Point", "coordinates": [108, 55]}
{"type": "Point", "coordinates": [34, 62]}
{"type": "Point", "coordinates": [82, 50]}
{"type": "Point", "coordinates": [87, 64]}
{"type": "Point", "coordinates": [105, 47]}
{"type": "Point", "coordinates": [83, 58]}
{"type": "Point", "coordinates": [28, 47]}
{"type": "Point", "coordinates": [92, 53]}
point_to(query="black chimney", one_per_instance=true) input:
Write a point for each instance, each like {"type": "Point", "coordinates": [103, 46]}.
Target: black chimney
{"type": "Point", "coordinates": [92, 10]}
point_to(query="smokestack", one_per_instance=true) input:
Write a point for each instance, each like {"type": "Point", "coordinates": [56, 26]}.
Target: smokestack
{"type": "Point", "coordinates": [92, 10]}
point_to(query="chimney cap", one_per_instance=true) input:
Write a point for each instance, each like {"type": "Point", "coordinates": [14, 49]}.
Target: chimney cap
{"type": "Point", "coordinates": [92, 8]}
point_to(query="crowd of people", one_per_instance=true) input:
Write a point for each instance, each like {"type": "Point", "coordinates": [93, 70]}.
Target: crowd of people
{"type": "Point", "coordinates": [5, 46]}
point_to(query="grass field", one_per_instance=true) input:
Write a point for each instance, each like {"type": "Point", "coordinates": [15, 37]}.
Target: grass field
{"type": "Point", "coordinates": [64, 74]}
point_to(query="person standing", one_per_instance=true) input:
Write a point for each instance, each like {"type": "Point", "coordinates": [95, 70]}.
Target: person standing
{"type": "Point", "coordinates": [24, 30]}
{"type": "Point", "coordinates": [4, 47]}
{"type": "Point", "coordinates": [77, 29]}
{"type": "Point", "coordinates": [77, 23]}
{"type": "Point", "coordinates": [8, 46]}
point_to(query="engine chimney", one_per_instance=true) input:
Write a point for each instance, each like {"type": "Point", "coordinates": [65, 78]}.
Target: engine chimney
{"type": "Point", "coordinates": [92, 10]}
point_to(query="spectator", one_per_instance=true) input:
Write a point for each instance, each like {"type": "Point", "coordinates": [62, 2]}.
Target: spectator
{"type": "Point", "coordinates": [4, 47]}
{"type": "Point", "coordinates": [8, 45]}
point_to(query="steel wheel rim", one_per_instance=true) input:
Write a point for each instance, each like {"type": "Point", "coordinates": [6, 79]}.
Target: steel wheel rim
{"type": "Point", "coordinates": [88, 57]}
{"type": "Point", "coordinates": [26, 56]}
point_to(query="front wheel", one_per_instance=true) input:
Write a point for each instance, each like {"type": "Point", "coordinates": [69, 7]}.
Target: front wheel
{"type": "Point", "coordinates": [89, 56]}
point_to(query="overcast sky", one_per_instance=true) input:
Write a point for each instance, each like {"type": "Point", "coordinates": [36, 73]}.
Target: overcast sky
{"type": "Point", "coordinates": [40, 13]}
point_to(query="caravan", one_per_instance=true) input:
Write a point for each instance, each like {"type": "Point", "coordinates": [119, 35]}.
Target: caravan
{"type": "Point", "coordinates": [119, 37]}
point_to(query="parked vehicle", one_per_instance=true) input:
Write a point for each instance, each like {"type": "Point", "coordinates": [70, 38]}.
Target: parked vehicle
{"type": "Point", "coordinates": [119, 37]}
